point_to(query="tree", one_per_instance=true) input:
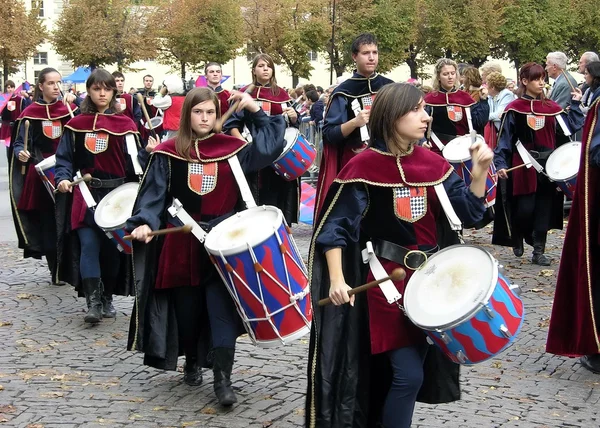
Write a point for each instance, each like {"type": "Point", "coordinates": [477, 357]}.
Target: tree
{"type": "Point", "coordinates": [198, 31]}
{"type": "Point", "coordinates": [95, 33]}
{"type": "Point", "coordinates": [21, 31]}
{"type": "Point", "coordinates": [287, 30]}
{"type": "Point", "coordinates": [586, 32]}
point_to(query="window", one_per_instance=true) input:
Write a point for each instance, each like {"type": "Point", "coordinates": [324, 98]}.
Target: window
{"type": "Point", "coordinates": [312, 56]}
{"type": "Point", "coordinates": [36, 74]}
{"type": "Point", "coordinates": [40, 58]}
{"type": "Point", "coordinates": [38, 4]}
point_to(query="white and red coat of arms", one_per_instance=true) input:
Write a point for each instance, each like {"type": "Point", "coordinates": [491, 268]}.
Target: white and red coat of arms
{"type": "Point", "coordinates": [202, 177]}
{"type": "Point", "coordinates": [367, 101]}
{"type": "Point", "coordinates": [455, 113]}
{"type": "Point", "coordinates": [536, 122]}
{"type": "Point", "coordinates": [96, 142]}
{"type": "Point", "coordinates": [410, 203]}
{"type": "Point", "coordinates": [52, 128]}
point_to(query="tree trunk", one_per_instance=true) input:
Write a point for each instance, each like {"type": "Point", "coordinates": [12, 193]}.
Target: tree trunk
{"type": "Point", "coordinates": [449, 53]}
{"type": "Point", "coordinates": [5, 72]}
{"type": "Point", "coordinates": [183, 70]}
{"type": "Point", "coordinates": [517, 66]}
{"type": "Point", "coordinates": [93, 66]}
{"type": "Point", "coordinates": [295, 79]}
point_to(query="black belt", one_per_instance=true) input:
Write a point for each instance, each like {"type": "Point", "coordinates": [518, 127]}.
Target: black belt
{"type": "Point", "coordinates": [96, 183]}
{"type": "Point", "coordinates": [540, 155]}
{"type": "Point", "coordinates": [412, 259]}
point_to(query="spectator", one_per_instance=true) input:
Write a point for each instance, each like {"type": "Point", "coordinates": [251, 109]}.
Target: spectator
{"type": "Point", "coordinates": [499, 97]}
{"type": "Point", "coordinates": [488, 68]}
{"type": "Point", "coordinates": [317, 107]}
{"type": "Point", "coordinates": [564, 83]}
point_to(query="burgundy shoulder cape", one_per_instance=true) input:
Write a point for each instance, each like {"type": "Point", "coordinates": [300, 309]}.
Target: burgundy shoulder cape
{"type": "Point", "coordinates": [456, 98]}
{"type": "Point", "coordinates": [213, 148]}
{"type": "Point", "coordinates": [529, 106]}
{"type": "Point", "coordinates": [574, 329]}
{"type": "Point", "coordinates": [39, 111]}
{"type": "Point", "coordinates": [264, 93]}
{"type": "Point", "coordinates": [115, 124]}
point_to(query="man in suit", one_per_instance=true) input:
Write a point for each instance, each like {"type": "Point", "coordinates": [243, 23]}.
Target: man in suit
{"type": "Point", "coordinates": [564, 83]}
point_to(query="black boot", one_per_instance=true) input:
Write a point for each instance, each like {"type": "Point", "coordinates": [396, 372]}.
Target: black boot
{"type": "Point", "coordinates": [591, 362]}
{"type": "Point", "coordinates": [539, 247]}
{"type": "Point", "coordinates": [518, 249]}
{"type": "Point", "coordinates": [92, 288]}
{"type": "Point", "coordinates": [192, 373]}
{"type": "Point", "coordinates": [223, 364]}
{"type": "Point", "coordinates": [108, 310]}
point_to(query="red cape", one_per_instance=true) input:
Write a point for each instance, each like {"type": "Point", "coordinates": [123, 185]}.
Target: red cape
{"type": "Point", "coordinates": [538, 107]}
{"type": "Point", "coordinates": [263, 93]}
{"type": "Point", "coordinates": [116, 124]}
{"type": "Point", "coordinates": [39, 111]}
{"type": "Point", "coordinates": [456, 98]}
{"type": "Point", "coordinates": [213, 148]}
{"type": "Point", "coordinates": [574, 329]}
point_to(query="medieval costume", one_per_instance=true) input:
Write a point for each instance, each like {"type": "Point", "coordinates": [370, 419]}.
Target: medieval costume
{"type": "Point", "coordinates": [95, 144]}
{"type": "Point", "coordinates": [223, 97]}
{"type": "Point", "coordinates": [390, 201]}
{"type": "Point", "coordinates": [148, 95]}
{"type": "Point", "coordinates": [337, 149]}
{"type": "Point", "coordinates": [32, 204]}
{"type": "Point", "coordinates": [530, 204]}
{"type": "Point", "coordinates": [267, 186]}
{"type": "Point", "coordinates": [10, 113]}
{"type": "Point", "coordinates": [130, 107]}
{"type": "Point", "coordinates": [574, 329]}
{"type": "Point", "coordinates": [182, 306]}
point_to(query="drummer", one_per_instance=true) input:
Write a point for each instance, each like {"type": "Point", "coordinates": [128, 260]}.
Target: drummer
{"type": "Point", "coordinates": [182, 304]}
{"type": "Point", "coordinates": [95, 143]}
{"type": "Point", "coordinates": [533, 205]}
{"type": "Point", "coordinates": [351, 348]}
{"type": "Point", "coordinates": [126, 102]}
{"type": "Point", "coordinates": [32, 205]}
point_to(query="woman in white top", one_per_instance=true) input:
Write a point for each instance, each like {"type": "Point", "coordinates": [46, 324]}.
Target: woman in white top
{"type": "Point", "coordinates": [499, 97]}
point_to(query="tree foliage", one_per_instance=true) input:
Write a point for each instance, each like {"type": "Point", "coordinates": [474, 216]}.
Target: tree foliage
{"type": "Point", "coordinates": [102, 32]}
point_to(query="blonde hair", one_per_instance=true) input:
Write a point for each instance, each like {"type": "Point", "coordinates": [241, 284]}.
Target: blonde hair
{"type": "Point", "coordinates": [490, 67]}
{"type": "Point", "coordinates": [441, 63]}
{"type": "Point", "coordinates": [497, 81]}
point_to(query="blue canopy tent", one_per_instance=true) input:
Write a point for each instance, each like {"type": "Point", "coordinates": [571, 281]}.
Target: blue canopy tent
{"type": "Point", "coordinates": [78, 76]}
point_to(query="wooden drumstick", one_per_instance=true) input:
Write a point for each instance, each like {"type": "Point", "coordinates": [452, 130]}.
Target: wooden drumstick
{"type": "Point", "coordinates": [142, 104]}
{"type": "Point", "coordinates": [516, 167]}
{"type": "Point", "coordinates": [398, 274]}
{"type": "Point", "coordinates": [219, 123]}
{"type": "Point", "coordinates": [86, 178]}
{"type": "Point", "coordinates": [183, 229]}
{"type": "Point", "coordinates": [24, 166]}
{"type": "Point", "coordinates": [67, 104]}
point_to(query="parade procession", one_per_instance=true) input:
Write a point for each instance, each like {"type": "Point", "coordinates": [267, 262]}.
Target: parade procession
{"type": "Point", "coordinates": [210, 249]}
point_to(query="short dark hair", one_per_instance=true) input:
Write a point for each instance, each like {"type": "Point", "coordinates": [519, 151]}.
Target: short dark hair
{"type": "Point", "coordinates": [210, 64]}
{"type": "Point", "coordinates": [593, 69]}
{"type": "Point", "coordinates": [9, 83]}
{"type": "Point", "coordinates": [320, 89]}
{"type": "Point", "coordinates": [312, 95]}
{"type": "Point", "coordinates": [103, 78]}
{"type": "Point", "coordinates": [363, 39]}
{"type": "Point", "coordinates": [148, 75]}
{"type": "Point", "coordinates": [116, 74]}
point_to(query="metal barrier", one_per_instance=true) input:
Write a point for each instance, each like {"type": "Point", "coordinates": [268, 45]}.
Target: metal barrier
{"type": "Point", "coordinates": [314, 134]}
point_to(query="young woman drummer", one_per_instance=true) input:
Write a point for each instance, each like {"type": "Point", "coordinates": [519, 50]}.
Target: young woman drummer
{"type": "Point", "coordinates": [384, 195]}
{"type": "Point", "coordinates": [94, 143]}
{"type": "Point", "coordinates": [182, 305]}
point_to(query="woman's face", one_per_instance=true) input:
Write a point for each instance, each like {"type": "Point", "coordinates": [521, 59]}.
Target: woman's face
{"type": "Point", "coordinates": [50, 89]}
{"type": "Point", "coordinates": [203, 118]}
{"type": "Point", "coordinates": [447, 77]}
{"type": "Point", "coordinates": [413, 125]}
{"type": "Point", "coordinates": [262, 72]}
{"type": "Point", "coordinates": [534, 87]}
{"type": "Point", "coordinates": [100, 95]}
{"type": "Point", "coordinates": [588, 77]}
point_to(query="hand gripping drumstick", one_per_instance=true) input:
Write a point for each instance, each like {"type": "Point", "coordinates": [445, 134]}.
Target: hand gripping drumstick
{"type": "Point", "coordinates": [516, 167]}
{"type": "Point", "coordinates": [24, 166]}
{"type": "Point", "coordinates": [398, 274]}
{"type": "Point", "coordinates": [142, 104]}
{"type": "Point", "coordinates": [67, 104]}
{"type": "Point", "coordinates": [183, 229]}
{"type": "Point", "coordinates": [86, 178]}
{"type": "Point", "coordinates": [219, 123]}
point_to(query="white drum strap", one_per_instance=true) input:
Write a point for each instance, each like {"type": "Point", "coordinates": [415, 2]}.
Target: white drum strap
{"type": "Point", "coordinates": [561, 121]}
{"type": "Point", "coordinates": [240, 178]}
{"type": "Point", "coordinates": [132, 149]}
{"type": "Point", "coordinates": [453, 219]}
{"type": "Point", "coordinates": [526, 157]}
{"type": "Point", "coordinates": [85, 192]}
{"type": "Point", "coordinates": [364, 132]}
{"type": "Point", "coordinates": [388, 288]}
{"type": "Point", "coordinates": [437, 141]}
{"type": "Point", "coordinates": [469, 119]}
{"type": "Point", "coordinates": [177, 211]}
{"type": "Point", "coordinates": [246, 135]}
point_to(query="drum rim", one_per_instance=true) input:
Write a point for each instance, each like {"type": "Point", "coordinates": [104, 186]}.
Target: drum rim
{"type": "Point", "coordinates": [563, 180]}
{"type": "Point", "coordinates": [287, 149]}
{"type": "Point", "coordinates": [477, 307]}
{"type": "Point", "coordinates": [468, 158]}
{"type": "Point", "coordinates": [160, 119]}
{"type": "Point", "coordinates": [103, 202]}
{"type": "Point", "coordinates": [243, 247]}
{"type": "Point", "coordinates": [39, 168]}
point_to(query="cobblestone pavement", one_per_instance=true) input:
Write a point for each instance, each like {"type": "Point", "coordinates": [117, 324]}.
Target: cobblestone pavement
{"type": "Point", "coordinates": [57, 372]}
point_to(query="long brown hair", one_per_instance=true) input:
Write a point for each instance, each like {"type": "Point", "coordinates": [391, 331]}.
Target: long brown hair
{"type": "Point", "coordinates": [530, 71]}
{"type": "Point", "coordinates": [272, 81]}
{"type": "Point", "coordinates": [103, 78]}
{"type": "Point", "coordinates": [441, 63]}
{"type": "Point", "coordinates": [185, 136]}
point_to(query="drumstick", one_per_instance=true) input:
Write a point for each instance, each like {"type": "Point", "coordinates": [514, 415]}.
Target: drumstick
{"type": "Point", "coordinates": [140, 99]}
{"type": "Point", "coordinates": [67, 104]}
{"type": "Point", "coordinates": [398, 274]}
{"type": "Point", "coordinates": [86, 178]}
{"type": "Point", "coordinates": [516, 167]}
{"type": "Point", "coordinates": [24, 166]}
{"type": "Point", "coordinates": [219, 123]}
{"type": "Point", "coordinates": [568, 81]}
{"type": "Point", "coordinates": [183, 229]}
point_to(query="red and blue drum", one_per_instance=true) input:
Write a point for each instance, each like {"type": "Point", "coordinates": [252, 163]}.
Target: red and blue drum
{"type": "Point", "coordinates": [261, 266]}
{"type": "Point", "coordinates": [113, 211]}
{"type": "Point", "coordinates": [297, 156]}
{"type": "Point", "coordinates": [562, 167]}
{"type": "Point", "coordinates": [457, 154]}
{"type": "Point", "coordinates": [464, 304]}
{"type": "Point", "coordinates": [45, 170]}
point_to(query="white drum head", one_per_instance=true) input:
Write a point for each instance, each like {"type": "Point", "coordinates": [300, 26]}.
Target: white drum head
{"type": "Point", "coordinates": [49, 162]}
{"type": "Point", "coordinates": [291, 134]}
{"type": "Point", "coordinates": [116, 207]}
{"type": "Point", "coordinates": [155, 121]}
{"type": "Point", "coordinates": [563, 163]}
{"type": "Point", "coordinates": [450, 287]}
{"type": "Point", "coordinates": [246, 228]}
{"type": "Point", "coordinates": [457, 150]}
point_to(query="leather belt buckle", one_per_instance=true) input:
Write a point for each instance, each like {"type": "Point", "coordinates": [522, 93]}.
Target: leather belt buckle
{"type": "Point", "coordinates": [95, 183]}
{"type": "Point", "coordinates": [415, 259]}
{"type": "Point", "coordinates": [534, 154]}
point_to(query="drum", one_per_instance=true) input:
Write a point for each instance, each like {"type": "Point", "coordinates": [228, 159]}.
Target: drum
{"type": "Point", "coordinates": [457, 154]}
{"type": "Point", "coordinates": [261, 266]}
{"type": "Point", "coordinates": [157, 125]}
{"type": "Point", "coordinates": [297, 156]}
{"type": "Point", "coordinates": [113, 211]}
{"type": "Point", "coordinates": [45, 170]}
{"type": "Point", "coordinates": [464, 304]}
{"type": "Point", "coordinates": [562, 167]}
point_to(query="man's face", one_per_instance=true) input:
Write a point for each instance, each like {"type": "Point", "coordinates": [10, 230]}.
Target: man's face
{"type": "Point", "coordinates": [366, 59]}
{"type": "Point", "coordinates": [148, 82]}
{"type": "Point", "coordinates": [213, 75]}
{"type": "Point", "coordinates": [120, 81]}
{"type": "Point", "coordinates": [582, 63]}
{"type": "Point", "coordinates": [552, 69]}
